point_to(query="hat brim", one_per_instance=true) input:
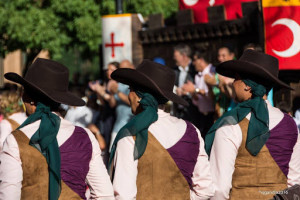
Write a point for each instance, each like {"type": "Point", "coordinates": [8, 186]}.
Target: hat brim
{"type": "Point", "coordinates": [230, 68]}
{"type": "Point", "coordinates": [64, 97]}
{"type": "Point", "coordinates": [137, 79]}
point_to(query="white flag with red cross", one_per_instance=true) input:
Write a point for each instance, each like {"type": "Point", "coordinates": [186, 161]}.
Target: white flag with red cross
{"type": "Point", "coordinates": [116, 38]}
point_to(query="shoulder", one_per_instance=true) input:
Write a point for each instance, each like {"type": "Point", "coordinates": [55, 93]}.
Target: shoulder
{"type": "Point", "coordinates": [30, 129]}
{"type": "Point", "coordinates": [86, 131]}
{"type": "Point", "coordinates": [18, 117]}
{"type": "Point", "coordinates": [167, 121]}
{"type": "Point", "coordinates": [275, 116]}
{"type": "Point", "coordinates": [123, 88]}
{"type": "Point", "coordinates": [88, 139]}
{"type": "Point", "coordinates": [125, 146]}
{"type": "Point", "coordinates": [126, 141]}
{"type": "Point", "coordinates": [10, 146]}
{"type": "Point", "coordinates": [176, 69]}
{"type": "Point", "coordinates": [66, 124]}
{"type": "Point", "coordinates": [5, 124]}
{"type": "Point", "coordinates": [231, 133]}
{"type": "Point", "coordinates": [192, 68]}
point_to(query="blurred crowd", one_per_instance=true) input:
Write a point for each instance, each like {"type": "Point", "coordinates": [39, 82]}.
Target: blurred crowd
{"type": "Point", "coordinates": [107, 108]}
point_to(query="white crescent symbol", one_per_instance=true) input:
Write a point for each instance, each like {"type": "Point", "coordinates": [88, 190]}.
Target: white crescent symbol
{"type": "Point", "coordinates": [295, 28]}
{"type": "Point", "coordinates": [211, 2]}
{"type": "Point", "coordinates": [190, 2]}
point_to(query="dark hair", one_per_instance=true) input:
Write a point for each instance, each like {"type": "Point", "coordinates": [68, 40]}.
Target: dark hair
{"type": "Point", "coordinates": [159, 98]}
{"type": "Point", "coordinates": [116, 64]}
{"type": "Point", "coordinates": [230, 48]}
{"type": "Point", "coordinates": [183, 49]}
{"type": "Point", "coordinates": [284, 107]}
{"type": "Point", "coordinates": [202, 54]}
{"type": "Point", "coordinates": [253, 46]}
{"type": "Point", "coordinates": [9, 87]}
{"type": "Point", "coordinates": [37, 96]}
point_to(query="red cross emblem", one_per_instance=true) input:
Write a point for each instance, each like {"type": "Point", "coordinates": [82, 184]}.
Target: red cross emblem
{"type": "Point", "coordinates": [113, 45]}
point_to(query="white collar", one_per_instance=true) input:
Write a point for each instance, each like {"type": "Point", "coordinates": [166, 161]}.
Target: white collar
{"type": "Point", "coordinates": [186, 69]}
{"type": "Point", "coordinates": [207, 68]}
{"type": "Point", "coordinates": [162, 113]}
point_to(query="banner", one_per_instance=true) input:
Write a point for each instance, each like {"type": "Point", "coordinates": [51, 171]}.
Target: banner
{"type": "Point", "coordinates": [233, 8]}
{"type": "Point", "coordinates": [199, 8]}
{"type": "Point", "coordinates": [116, 38]}
{"type": "Point", "coordinates": [282, 32]}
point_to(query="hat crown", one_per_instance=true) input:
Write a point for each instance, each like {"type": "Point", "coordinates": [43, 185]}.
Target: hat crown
{"type": "Point", "coordinates": [256, 66]}
{"type": "Point", "coordinates": [158, 73]}
{"type": "Point", "coordinates": [48, 74]}
{"type": "Point", "coordinates": [150, 77]}
{"type": "Point", "coordinates": [265, 61]}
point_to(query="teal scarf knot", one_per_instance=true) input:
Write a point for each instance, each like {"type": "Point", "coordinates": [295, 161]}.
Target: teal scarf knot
{"type": "Point", "coordinates": [138, 126]}
{"type": "Point", "coordinates": [44, 139]}
{"type": "Point", "coordinates": [258, 129]}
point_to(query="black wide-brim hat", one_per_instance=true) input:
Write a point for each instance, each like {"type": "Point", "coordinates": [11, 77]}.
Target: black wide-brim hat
{"type": "Point", "coordinates": [152, 77]}
{"type": "Point", "coordinates": [48, 78]}
{"type": "Point", "coordinates": [253, 65]}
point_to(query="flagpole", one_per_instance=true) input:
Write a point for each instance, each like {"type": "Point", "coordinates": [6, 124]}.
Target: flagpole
{"type": "Point", "coordinates": [119, 7]}
{"type": "Point", "coordinates": [261, 30]}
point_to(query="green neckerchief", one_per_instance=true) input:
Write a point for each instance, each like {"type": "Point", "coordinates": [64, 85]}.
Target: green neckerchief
{"type": "Point", "coordinates": [258, 130]}
{"type": "Point", "coordinates": [44, 139]}
{"type": "Point", "coordinates": [138, 126]}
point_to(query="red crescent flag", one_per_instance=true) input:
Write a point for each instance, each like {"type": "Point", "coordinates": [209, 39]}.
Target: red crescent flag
{"type": "Point", "coordinates": [282, 32]}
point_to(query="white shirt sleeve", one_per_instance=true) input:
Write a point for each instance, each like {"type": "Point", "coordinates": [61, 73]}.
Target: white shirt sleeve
{"type": "Point", "coordinates": [11, 173]}
{"type": "Point", "coordinates": [5, 130]}
{"type": "Point", "coordinates": [294, 165]}
{"type": "Point", "coordinates": [97, 178]}
{"type": "Point", "coordinates": [203, 187]}
{"type": "Point", "coordinates": [222, 159]}
{"type": "Point", "coordinates": [125, 167]}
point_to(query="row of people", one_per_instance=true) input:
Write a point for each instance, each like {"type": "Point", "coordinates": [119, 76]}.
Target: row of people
{"type": "Point", "coordinates": [251, 152]}
{"type": "Point", "coordinates": [247, 156]}
{"type": "Point", "coordinates": [209, 94]}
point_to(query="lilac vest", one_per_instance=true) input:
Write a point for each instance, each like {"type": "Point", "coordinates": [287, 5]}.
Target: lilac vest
{"type": "Point", "coordinates": [281, 142]}
{"type": "Point", "coordinates": [185, 152]}
{"type": "Point", "coordinates": [76, 154]}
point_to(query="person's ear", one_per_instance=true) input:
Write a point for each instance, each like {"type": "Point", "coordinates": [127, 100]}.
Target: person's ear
{"type": "Point", "coordinates": [247, 88]}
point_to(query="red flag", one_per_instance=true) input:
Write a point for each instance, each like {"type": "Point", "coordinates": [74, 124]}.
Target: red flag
{"type": "Point", "coordinates": [282, 32]}
{"type": "Point", "coordinates": [233, 8]}
{"type": "Point", "coordinates": [199, 8]}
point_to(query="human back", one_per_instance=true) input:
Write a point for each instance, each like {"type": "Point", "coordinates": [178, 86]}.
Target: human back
{"type": "Point", "coordinates": [155, 148]}
{"type": "Point", "coordinates": [71, 151]}
{"type": "Point", "coordinates": [271, 164]}
{"type": "Point", "coordinates": [68, 157]}
{"type": "Point", "coordinates": [253, 148]}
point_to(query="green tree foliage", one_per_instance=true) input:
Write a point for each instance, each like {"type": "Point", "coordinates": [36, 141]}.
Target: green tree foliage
{"type": "Point", "coordinates": [55, 25]}
{"type": "Point", "coordinates": [62, 26]}
{"type": "Point", "coordinates": [145, 7]}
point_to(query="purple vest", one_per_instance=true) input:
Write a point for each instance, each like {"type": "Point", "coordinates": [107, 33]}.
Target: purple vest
{"type": "Point", "coordinates": [76, 154]}
{"type": "Point", "coordinates": [281, 142]}
{"type": "Point", "coordinates": [185, 152]}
